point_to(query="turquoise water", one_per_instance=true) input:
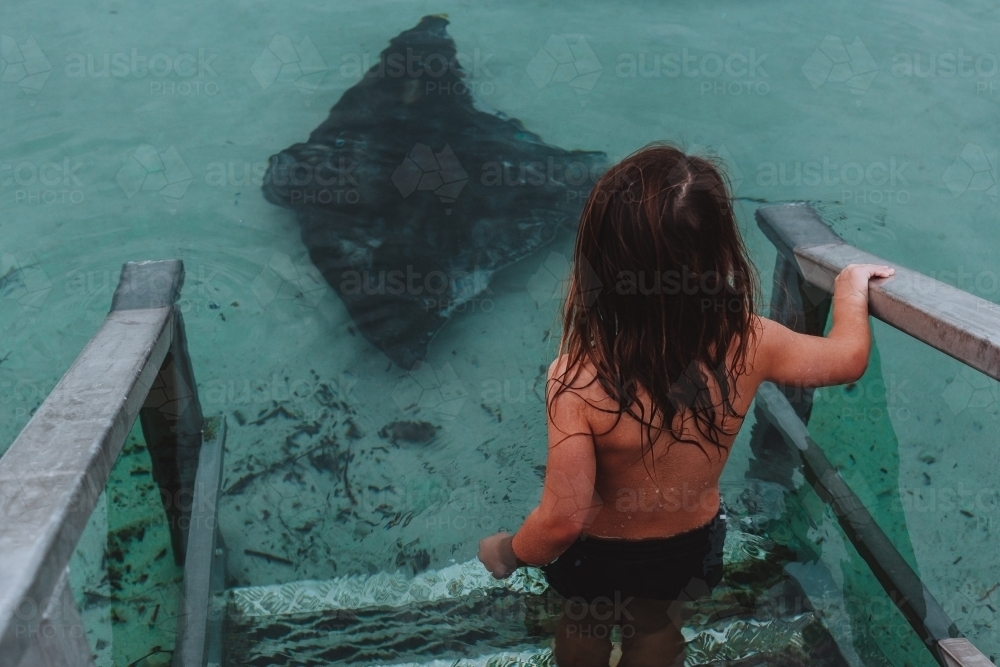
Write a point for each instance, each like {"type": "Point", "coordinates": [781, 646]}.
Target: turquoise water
{"type": "Point", "coordinates": [881, 114]}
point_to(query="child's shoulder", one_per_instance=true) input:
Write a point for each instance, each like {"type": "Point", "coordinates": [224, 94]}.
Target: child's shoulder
{"type": "Point", "coordinates": [577, 375]}
{"type": "Point", "coordinates": [574, 408]}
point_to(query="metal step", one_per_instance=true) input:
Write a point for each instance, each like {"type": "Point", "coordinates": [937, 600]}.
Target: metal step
{"type": "Point", "coordinates": [460, 616]}
{"type": "Point", "coordinates": [529, 658]}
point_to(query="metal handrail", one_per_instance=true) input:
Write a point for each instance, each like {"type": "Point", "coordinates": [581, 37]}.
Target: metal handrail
{"type": "Point", "coordinates": [951, 320]}
{"type": "Point", "coordinates": [810, 256]}
{"type": "Point", "coordinates": [135, 366]}
{"type": "Point", "coordinates": [921, 610]}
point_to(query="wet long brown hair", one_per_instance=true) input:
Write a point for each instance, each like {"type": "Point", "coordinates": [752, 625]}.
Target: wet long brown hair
{"type": "Point", "coordinates": [661, 293]}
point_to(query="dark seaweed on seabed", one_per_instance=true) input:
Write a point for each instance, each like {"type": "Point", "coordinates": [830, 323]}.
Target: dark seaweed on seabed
{"type": "Point", "coordinates": [327, 455]}
{"type": "Point", "coordinates": [409, 431]}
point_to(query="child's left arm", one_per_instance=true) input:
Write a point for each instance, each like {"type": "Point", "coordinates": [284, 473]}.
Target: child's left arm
{"type": "Point", "coordinates": [569, 502]}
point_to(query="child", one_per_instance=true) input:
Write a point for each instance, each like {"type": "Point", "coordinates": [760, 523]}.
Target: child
{"type": "Point", "coordinates": [660, 358]}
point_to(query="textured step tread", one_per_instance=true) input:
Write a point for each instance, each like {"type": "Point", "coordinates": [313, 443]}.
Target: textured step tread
{"type": "Point", "coordinates": [460, 616]}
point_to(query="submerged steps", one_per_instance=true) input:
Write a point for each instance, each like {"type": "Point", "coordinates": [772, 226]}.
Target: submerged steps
{"type": "Point", "coordinates": [460, 615]}
{"type": "Point", "coordinates": [459, 611]}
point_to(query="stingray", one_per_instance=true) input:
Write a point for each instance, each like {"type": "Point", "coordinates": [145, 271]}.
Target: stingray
{"type": "Point", "coordinates": [410, 198]}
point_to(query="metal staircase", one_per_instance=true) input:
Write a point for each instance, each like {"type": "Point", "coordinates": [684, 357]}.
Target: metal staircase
{"type": "Point", "coordinates": [461, 615]}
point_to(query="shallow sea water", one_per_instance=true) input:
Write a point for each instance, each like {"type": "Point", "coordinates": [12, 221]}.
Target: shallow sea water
{"type": "Point", "coordinates": [882, 115]}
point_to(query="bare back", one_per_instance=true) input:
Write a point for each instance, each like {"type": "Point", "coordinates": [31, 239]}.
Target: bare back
{"type": "Point", "coordinates": [675, 486]}
{"type": "Point", "coordinates": [596, 481]}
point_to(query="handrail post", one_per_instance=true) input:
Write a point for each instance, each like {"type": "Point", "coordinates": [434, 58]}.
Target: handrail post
{"type": "Point", "coordinates": [199, 621]}
{"type": "Point", "coordinates": [171, 416]}
{"type": "Point", "coordinates": [804, 309]}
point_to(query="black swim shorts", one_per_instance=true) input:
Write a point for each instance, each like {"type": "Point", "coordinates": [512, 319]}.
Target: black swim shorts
{"type": "Point", "coordinates": [656, 569]}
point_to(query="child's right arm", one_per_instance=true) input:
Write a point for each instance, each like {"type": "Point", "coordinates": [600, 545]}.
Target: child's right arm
{"type": "Point", "coordinates": [790, 358]}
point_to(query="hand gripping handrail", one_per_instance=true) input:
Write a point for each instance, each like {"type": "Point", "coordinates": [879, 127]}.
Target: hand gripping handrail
{"type": "Point", "coordinates": [951, 320]}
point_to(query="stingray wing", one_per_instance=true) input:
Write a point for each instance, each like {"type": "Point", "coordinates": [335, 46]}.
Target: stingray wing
{"type": "Point", "coordinates": [384, 309]}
